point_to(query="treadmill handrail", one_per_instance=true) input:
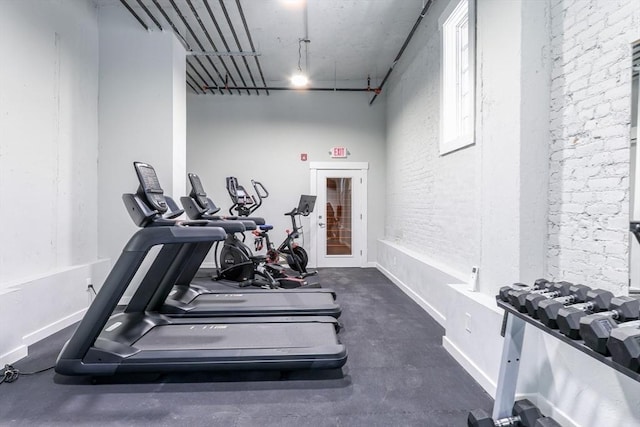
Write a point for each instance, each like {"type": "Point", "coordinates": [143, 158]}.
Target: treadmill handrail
{"type": "Point", "coordinates": [120, 277]}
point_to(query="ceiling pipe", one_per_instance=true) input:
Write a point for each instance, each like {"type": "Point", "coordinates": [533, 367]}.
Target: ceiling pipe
{"type": "Point", "coordinates": [182, 40]}
{"type": "Point", "coordinates": [304, 89]}
{"type": "Point", "coordinates": [135, 15]}
{"type": "Point", "coordinates": [229, 54]}
{"type": "Point", "coordinates": [215, 48]}
{"type": "Point", "coordinates": [153, 18]}
{"type": "Point", "coordinates": [200, 45]}
{"type": "Point", "coordinates": [195, 86]}
{"type": "Point", "coordinates": [191, 86]}
{"type": "Point", "coordinates": [404, 46]}
{"type": "Point", "coordinates": [253, 49]}
{"type": "Point", "coordinates": [235, 37]}
{"type": "Point", "coordinates": [224, 42]}
{"type": "Point", "coordinates": [205, 86]}
{"type": "Point", "coordinates": [186, 46]}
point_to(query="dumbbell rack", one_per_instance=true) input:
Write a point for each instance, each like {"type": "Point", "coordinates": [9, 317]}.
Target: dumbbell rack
{"type": "Point", "coordinates": [513, 326]}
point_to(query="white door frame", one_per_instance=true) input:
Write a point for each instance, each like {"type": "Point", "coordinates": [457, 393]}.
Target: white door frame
{"type": "Point", "coordinates": [313, 234]}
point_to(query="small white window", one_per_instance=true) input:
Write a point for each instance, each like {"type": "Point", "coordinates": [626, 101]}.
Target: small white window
{"type": "Point", "coordinates": [458, 77]}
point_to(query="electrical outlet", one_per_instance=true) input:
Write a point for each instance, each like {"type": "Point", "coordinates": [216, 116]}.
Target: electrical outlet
{"type": "Point", "coordinates": [394, 260]}
{"type": "Point", "coordinates": [467, 322]}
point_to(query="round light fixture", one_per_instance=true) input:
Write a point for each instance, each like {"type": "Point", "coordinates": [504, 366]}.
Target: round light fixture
{"type": "Point", "coordinates": [299, 80]}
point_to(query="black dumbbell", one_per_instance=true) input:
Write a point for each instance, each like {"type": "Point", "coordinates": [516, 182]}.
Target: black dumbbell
{"type": "Point", "coordinates": [546, 422]}
{"type": "Point", "coordinates": [624, 346]}
{"type": "Point", "coordinates": [548, 309]}
{"type": "Point", "coordinates": [569, 317]}
{"type": "Point", "coordinates": [557, 289]}
{"type": "Point", "coordinates": [524, 413]}
{"type": "Point", "coordinates": [595, 328]}
{"type": "Point", "coordinates": [605, 327]}
{"type": "Point", "coordinates": [517, 298]}
{"type": "Point", "coordinates": [505, 290]}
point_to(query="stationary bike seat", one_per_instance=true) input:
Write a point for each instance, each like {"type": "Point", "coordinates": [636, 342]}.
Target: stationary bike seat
{"type": "Point", "coordinates": [265, 227]}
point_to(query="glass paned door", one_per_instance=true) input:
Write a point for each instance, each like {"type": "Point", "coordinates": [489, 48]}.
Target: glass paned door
{"type": "Point", "coordinates": [338, 215]}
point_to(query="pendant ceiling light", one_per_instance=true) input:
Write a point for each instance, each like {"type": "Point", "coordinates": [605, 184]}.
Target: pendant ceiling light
{"type": "Point", "coordinates": [300, 78]}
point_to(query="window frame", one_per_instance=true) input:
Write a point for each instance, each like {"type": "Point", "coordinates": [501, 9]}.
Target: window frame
{"type": "Point", "coordinates": [452, 134]}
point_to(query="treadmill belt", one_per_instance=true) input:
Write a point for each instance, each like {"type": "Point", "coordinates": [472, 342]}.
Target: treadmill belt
{"type": "Point", "coordinates": [237, 336]}
{"type": "Point", "coordinates": [268, 299]}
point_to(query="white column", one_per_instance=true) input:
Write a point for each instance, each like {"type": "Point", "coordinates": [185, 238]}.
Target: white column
{"type": "Point", "coordinates": [142, 117]}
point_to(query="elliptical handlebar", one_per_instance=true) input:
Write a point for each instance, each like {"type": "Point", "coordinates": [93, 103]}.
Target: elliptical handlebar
{"type": "Point", "coordinates": [243, 202]}
{"type": "Point", "coordinates": [260, 190]}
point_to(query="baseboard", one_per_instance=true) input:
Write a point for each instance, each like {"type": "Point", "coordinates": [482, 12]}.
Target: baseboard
{"type": "Point", "coordinates": [371, 264]}
{"type": "Point", "coordinates": [14, 355]}
{"type": "Point", "coordinates": [53, 327]}
{"type": "Point", "coordinates": [468, 365]}
{"type": "Point", "coordinates": [439, 317]}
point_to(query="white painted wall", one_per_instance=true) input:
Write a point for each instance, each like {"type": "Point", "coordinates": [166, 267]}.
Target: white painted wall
{"type": "Point", "coordinates": [432, 200]}
{"type": "Point", "coordinates": [49, 128]}
{"type": "Point", "coordinates": [48, 159]}
{"type": "Point", "coordinates": [142, 117]}
{"type": "Point", "coordinates": [262, 137]}
{"type": "Point", "coordinates": [518, 106]}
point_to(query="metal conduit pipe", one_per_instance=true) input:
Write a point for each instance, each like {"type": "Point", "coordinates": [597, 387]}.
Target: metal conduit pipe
{"type": "Point", "coordinates": [170, 22]}
{"type": "Point", "coordinates": [246, 28]}
{"type": "Point", "coordinates": [191, 86]}
{"type": "Point", "coordinates": [195, 86]}
{"type": "Point", "coordinates": [135, 15]}
{"type": "Point", "coordinates": [186, 45]}
{"type": "Point", "coordinates": [203, 86]}
{"type": "Point", "coordinates": [235, 37]}
{"type": "Point", "coordinates": [153, 18]}
{"type": "Point", "coordinates": [224, 42]}
{"type": "Point", "coordinates": [215, 48]}
{"type": "Point", "coordinates": [200, 45]}
{"type": "Point", "coordinates": [311, 89]}
{"type": "Point", "coordinates": [182, 40]}
{"type": "Point", "coordinates": [404, 46]}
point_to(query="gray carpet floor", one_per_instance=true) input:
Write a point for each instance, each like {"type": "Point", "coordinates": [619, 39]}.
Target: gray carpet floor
{"type": "Point", "coordinates": [397, 374]}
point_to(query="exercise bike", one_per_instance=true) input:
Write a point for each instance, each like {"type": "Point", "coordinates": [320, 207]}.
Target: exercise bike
{"type": "Point", "coordinates": [295, 255]}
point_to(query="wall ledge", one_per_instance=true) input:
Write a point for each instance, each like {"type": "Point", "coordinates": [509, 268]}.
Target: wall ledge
{"type": "Point", "coordinates": [427, 260]}
{"type": "Point", "coordinates": [433, 312]}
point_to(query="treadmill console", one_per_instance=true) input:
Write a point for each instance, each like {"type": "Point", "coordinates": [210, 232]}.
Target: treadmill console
{"type": "Point", "coordinates": [197, 191]}
{"type": "Point", "coordinates": [150, 186]}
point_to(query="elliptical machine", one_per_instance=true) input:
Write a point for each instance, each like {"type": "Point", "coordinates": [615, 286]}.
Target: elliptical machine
{"type": "Point", "coordinates": [235, 261]}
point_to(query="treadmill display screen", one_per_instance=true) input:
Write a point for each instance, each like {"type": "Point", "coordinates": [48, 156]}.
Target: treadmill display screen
{"type": "Point", "coordinates": [198, 191]}
{"type": "Point", "coordinates": [149, 179]}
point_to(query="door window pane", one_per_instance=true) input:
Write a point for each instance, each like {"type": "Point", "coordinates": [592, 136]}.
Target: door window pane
{"type": "Point", "coordinates": [338, 215]}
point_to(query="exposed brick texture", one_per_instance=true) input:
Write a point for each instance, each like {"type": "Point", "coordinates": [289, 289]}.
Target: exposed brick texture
{"type": "Point", "coordinates": [431, 200]}
{"type": "Point", "coordinates": [589, 147]}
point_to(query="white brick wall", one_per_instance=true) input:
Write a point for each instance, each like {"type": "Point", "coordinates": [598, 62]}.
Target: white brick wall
{"type": "Point", "coordinates": [431, 200]}
{"type": "Point", "coordinates": [589, 151]}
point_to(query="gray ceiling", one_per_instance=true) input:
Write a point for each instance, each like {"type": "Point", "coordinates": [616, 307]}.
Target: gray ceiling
{"type": "Point", "coordinates": [349, 39]}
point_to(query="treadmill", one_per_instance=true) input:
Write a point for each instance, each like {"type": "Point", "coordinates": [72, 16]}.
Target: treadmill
{"type": "Point", "coordinates": [142, 340]}
{"type": "Point", "coordinates": [184, 298]}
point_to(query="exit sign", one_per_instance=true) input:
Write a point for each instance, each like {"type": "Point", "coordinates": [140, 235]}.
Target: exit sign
{"type": "Point", "coordinates": [339, 152]}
